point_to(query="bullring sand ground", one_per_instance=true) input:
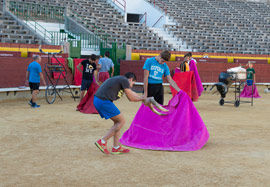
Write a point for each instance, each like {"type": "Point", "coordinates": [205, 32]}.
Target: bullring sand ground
{"type": "Point", "coordinates": [54, 146]}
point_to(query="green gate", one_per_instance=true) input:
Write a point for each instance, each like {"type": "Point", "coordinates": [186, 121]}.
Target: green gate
{"type": "Point", "coordinates": [116, 54]}
{"type": "Point", "coordinates": [75, 48]}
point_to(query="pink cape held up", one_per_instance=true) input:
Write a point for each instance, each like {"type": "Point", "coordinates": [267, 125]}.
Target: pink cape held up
{"type": "Point", "coordinates": [181, 130]}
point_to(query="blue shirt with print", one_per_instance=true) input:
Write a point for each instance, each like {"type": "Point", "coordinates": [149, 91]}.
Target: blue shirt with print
{"type": "Point", "coordinates": [156, 70]}
{"type": "Point", "coordinates": [34, 69]}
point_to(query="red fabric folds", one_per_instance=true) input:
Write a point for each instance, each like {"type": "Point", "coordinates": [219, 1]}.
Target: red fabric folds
{"type": "Point", "coordinates": [86, 105]}
{"type": "Point", "coordinates": [57, 74]}
{"type": "Point", "coordinates": [103, 76]}
{"type": "Point", "coordinates": [186, 82]}
{"type": "Point", "coordinates": [77, 73]}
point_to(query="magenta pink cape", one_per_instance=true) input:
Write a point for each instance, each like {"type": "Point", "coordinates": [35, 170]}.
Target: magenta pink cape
{"type": "Point", "coordinates": [247, 92]}
{"type": "Point", "coordinates": [181, 130]}
{"type": "Point", "coordinates": [86, 105]}
{"type": "Point", "coordinates": [193, 67]}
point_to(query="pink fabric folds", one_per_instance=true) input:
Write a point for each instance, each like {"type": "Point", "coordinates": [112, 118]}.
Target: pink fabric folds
{"type": "Point", "coordinates": [247, 92]}
{"type": "Point", "coordinates": [86, 105]}
{"type": "Point", "coordinates": [181, 130]}
{"type": "Point", "coordinates": [193, 67]}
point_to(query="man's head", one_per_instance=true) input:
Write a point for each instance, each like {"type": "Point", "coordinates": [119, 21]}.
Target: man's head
{"type": "Point", "coordinates": [187, 56]}
{"type": "Point", "coordinates": [163, 57]}
{"type": "Point", "coordinates": [131, 78]}
{"type": "Point", "coordinates": [107, 54]}
{"type": "Point", "coordinates": [97, 59]}
{"type": "Point", "coordinates": [250, 64]}
{"type": "Point", "coordinates": [93, 58]}
{"type": "Point", "coordinates": [37, 58]}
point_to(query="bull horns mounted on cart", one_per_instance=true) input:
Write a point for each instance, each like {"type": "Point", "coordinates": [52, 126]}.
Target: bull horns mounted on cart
{"type": "Point", "coordinates": [50, 53]}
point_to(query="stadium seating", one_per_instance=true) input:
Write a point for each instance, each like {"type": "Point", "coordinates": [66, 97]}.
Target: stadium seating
{"type": "Point", "coordinates": [99, 13]}
{"type": "Point", "coordinates": [211, 26]}
{"type": "Point", "coordinates": [12, 32]}
{"type": "Point", "coordinates": [220, 26]}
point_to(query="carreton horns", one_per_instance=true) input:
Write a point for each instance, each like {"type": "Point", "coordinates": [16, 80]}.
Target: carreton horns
{"type": "Point", "coordinates": [153, 102]}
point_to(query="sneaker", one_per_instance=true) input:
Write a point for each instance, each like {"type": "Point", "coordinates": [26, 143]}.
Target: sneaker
{"type": "Point", "coordinates": [102, 147]}
{"type": "Point", "coordinates": [34, 105]}
{"type": "Point", "coordinates": [120, 150]}
{"type": "Point", "coordinates": [30, 102]}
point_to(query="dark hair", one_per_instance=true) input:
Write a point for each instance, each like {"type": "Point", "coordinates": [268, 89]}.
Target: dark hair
{"type": "Point", "coordinates": [130, 75]}
{"type": "Point", "coordinates": [188, 55]}
{"type": "Point", "coordinates": [165, 55]}
{"type": "Point", "coordinates": [93, 57]}
{"type": "Point", "coordinates": [107, 54]}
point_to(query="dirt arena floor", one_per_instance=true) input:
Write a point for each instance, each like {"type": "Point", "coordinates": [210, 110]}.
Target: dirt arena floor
{"type": "Point", "coordinates": [54, 146]}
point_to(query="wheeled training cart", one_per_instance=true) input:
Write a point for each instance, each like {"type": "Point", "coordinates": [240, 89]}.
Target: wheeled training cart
{"type": "Point", "coordinates": [57, 71]}
{"type": "Point", "coordinates": [236, 80]}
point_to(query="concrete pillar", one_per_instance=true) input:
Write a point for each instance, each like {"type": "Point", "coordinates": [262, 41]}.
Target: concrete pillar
{"type": "Point", "coordinates": [66, 47]}
{"type": "Point", "coordinates": [128, 52]}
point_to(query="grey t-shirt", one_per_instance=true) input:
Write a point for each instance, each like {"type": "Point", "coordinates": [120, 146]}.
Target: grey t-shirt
{"type": "Point", "coordinates": [113, 88]}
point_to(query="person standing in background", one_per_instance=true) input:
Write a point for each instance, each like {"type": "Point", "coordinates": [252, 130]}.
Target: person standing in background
{"type": "Point", "coordinates": [104, 65]}
{"type": "Point", "coordinates": [33, 75]}
{"type": "Point", "coordinates": [155, 69]}
{"type": "Point", "coordinates": [193, 67]}
{"type": "Point", "coordinates": [89, 70]}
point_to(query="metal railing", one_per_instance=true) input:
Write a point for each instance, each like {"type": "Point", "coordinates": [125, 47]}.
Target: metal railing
{"type": "Point", "coordinates": [145, 18]}
{"type": "Point", "coordinates": [30, 13]}
{"type": "Point", "coordinates": [81, 19]}
{"type": "Point", "coordinates": [38, 11]}
{"type": "Point", "coordinates": [164, 8]}
{"type": "Point", "coordinates": [122, 4]}
{"type": "Point", "coordinates": [88, 41]}
{"type": "Point", "coordinates": [158, 20]}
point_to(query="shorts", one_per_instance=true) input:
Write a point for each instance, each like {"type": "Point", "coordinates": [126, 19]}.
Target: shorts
{"type": "Point", "coordinates": [105, 108]}
{"type": "Point", "coordinates": [103, 76]}
{"type": "Point", "coordinates": [34, 85]}
{"type": "Point", "coordinates": [249, 82]}
{"type": "Point", "coordinates": [156, 91]}
{"type": "Point", "coordinates": [86, 84]}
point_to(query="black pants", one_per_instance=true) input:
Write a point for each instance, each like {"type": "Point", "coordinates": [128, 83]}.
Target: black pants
{"type": "Point", "coordinates": [156, 91]}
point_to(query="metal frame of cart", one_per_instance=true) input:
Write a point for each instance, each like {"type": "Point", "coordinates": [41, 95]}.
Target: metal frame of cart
{"type": "Point", "coordinates": [237, 91]}
{"type": "Point", "coordinates": [52, 89]}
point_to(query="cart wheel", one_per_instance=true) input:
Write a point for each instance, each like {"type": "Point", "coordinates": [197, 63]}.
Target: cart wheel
{"type": "Point", "coordinates": [50, 94]}
{"type": "Point", "coordinates": [237, 103]}
{"type": "Point", "coordinates": [221, 102]}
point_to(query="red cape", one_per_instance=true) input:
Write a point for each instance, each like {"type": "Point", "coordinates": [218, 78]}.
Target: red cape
{"type": "Point", "coordinates": [86, 105]}
{"type": "Point", "coordinates": [186, 82]}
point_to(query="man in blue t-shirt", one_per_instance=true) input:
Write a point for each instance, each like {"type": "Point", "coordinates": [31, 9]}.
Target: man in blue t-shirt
{"type": "Point", "coordinates": [154, 69]}
{"type": "Point", "coordinates": [33, 75]}
{"type": "Point", "coordinates": [104, 66]}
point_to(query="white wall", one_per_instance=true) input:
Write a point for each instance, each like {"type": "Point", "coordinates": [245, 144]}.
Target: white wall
{"type": "Point", "coordinates": [140, 7]}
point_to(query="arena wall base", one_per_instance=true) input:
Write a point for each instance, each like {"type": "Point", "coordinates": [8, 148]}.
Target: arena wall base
{"type": "Point", "coordinates": [7, 94]}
